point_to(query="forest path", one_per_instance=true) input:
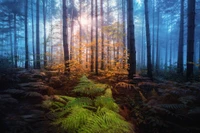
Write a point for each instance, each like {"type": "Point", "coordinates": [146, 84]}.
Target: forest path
{"type": "Point", "coordinates": [21, 96]}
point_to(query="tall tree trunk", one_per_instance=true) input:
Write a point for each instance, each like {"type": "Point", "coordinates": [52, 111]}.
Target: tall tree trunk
{"type": "Point", "coordinates": [11, 41]}
{"type": "Point", "coordinates": [92, 47]}
{"type": "Point", "coordinates": [180, 45]}
{"type": "Point", "coordinates": [33, 34]}
{"type": "Point", "coordinates": [143, 47]}
{"type": "Point", "coordinates": [124, 31]}
{"type": "Point", "coordinates": [26, 35]}
{"type": "Point", "coordinates": [149, 67]}
{"type": "Point", "coordinates": [153, 41]}
{"type": "Point", "coordinates": [15, 40]}
{"type": "Point", "coordinates": [65, 38]}
{"type": "Point", "coordinates": [97, 51]}
{"type": "Point", "coordinates": [157, 43]}
{"type": "Point", "coordinates": [72, 30]}
{"type": "Point", "coordinates": [80, 33]}
{"type": "Point", "coordinates": [45, 40]}
{"type": "Point", "coordinates": [38, 34]}
{"type": "Point", "coordinates": [190, 37]}
{"type": "Point", "coordinates": [131, 41]}
{"type": "Point", "coordinates": [102, 36]}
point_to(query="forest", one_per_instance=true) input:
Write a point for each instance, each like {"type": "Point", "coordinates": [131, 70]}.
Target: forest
{"type": "Point", "coordinates": [99, 66]}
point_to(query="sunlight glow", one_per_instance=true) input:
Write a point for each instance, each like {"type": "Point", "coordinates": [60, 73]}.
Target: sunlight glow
{"type": "Point", "coordinates": [139, 2]}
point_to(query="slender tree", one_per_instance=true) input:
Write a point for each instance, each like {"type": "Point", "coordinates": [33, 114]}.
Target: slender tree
{"type": "Point", "coordinates": [180, 45]}
{"type": "Point", "coordinates": [97, 50]}
{"type": "Point", "coordinates": [65, 39]}
{"type": "Point", "coordinates": [45, 41]}
{"type": "Point", "coordinates": [190, 37]}
{"type": "Point", "coordinates": [92, 47]}
{"type": "Point", "coordinates": [102, 36]}
{"type": "Point", "coordinates": [33, 33]}
{"type": "Point", "coordinates": [149, 67]}
{"type": "Point", "coordinates": [124, 31]}
{"type": "Point", "coordinates": [157, 42]}
{"type": "Point", "coordinates": [131, 40]}
{"type": "Point", "coordinates": [38, 34]}
{"type": "Point", "coordinates": [26, 35]}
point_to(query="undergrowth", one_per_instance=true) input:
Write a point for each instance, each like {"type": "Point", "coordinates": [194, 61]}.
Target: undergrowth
{"type": "Point", "coordinates": [94, 111]}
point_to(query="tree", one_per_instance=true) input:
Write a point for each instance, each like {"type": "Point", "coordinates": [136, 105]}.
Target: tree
{"type": "Point", "coordinates": [180, 45]}
{"type": "Point", "coordinates": [92, 47]}
{"type": "Point", "coordinates": [190, 37]}
{"type": "Point", "coordinates": [149, 67]}
{"type": "Point", "coordinates": [38, 34]}
{"type": "Point", "coordinates": [45, 41]}
{"type": "Point", "coordinates": [131, 40]}
{"type": "Point", "coordinates": [65, 39]}
{"type": "Point", "coordinates": [26, 35]}
{"type": "Point", "coordinates": [96, 19]}
{"type": "Point", "coordinates": [157, 42]}
{"type": "Point", "coordinates": [102, 36]}
{"type": "Point", "coordinates": [33, 34]}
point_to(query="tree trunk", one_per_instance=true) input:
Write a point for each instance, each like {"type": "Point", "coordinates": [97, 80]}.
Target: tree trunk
{"type": "Point", "coordinates": [131, 40]}
{"type": "Point", "coordinates": [157, 44]}
{"type": "Point", "coordinates": [15, 40]}
{"type": "Point", "coordinates": [180, 45]}
{"type": "Point", "coordinates": [92, 47]}
{"type": "Point", "coordinates": [80, 34]}
{"type": "Point", "coordinates": [72, 31]}
{"type": "Point", "coordinates": [96, 18]}
{"type": "Point", "coordinates": [149, 67]}
{"type": "Point", "coordinates": [11, 42]}
{"type": "Point", "coordinates": [38, 34]}
{"type": "Point", "coordinates": [26, 35]}
{"type": "Point", "coordinates": [190, 37]}
{"type": "Point", "coordinates": [102, 37]}
{"type": "Point", "coordinates": [65, 37]}
{"type": "Point", "coordinates": [45, 41]}
{"type": "Point", "coordinates": [124, 31]}
{"type": "Point", "coordinates": [33, 34]}
{"type": "Point", "coordinates": [153, 41]}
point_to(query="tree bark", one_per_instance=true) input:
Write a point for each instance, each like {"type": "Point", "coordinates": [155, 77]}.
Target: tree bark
{"type": "Point", "coordinates": [190, 38]}
{"type": "Point", "coordinates": [97, 50]}
{"type": "Point", "coordinates": [102, 37]}
{"type": "Point", "coordinates": [45, 41]}
{"type": "Point", "coordinates": [149, 67]}
{"type": "Point", "coordinates": [180, 45]}
{"type": "Point", "coordinates": [33, 34]}
{"type": "Point", "coordinates": [92, 47]}
{"type": "Point", "coordinates": [131, 40]}
{"type": "Point", "coordinates": [157, 43]}
{"type": "Point", "coordinates": [65, 37]}
{"type": "Point", "coordinates": [26, 35]}
{"type": "Point", "coordinates": [37, 34]}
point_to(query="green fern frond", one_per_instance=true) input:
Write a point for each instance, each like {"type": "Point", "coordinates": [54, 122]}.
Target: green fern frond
{"type": "Point", "coordinates": [106, 102]}
{"type": "Point", "coordinates": [106, 121]}
{"type": "Point", "coordinates": [77, 118]}
{"type": "Point", "coordinates": [187, 99]}
{"type": "Point", "coordinates": [108, 92]}
{"type": "Point", "coordinates": [14, 91]}
{"type": "Point", "coordinates": [33, 94]}
{"type": "Point", "coordinates": [172, 106]}
{"type": "Point", "coordinates": [89, 88]}
{"type": "Point", "coordinates": [82, 101]}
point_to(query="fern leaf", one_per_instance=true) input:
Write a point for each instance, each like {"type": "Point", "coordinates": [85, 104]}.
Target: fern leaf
{"type": "Point", "coordinates": [106, 102]}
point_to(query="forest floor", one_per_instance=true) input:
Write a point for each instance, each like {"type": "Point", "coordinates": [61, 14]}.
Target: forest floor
{"type": "Point", "coordinates": [158, 106]}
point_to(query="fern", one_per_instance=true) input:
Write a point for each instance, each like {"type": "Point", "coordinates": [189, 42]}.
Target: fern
{"type": "Point", "coordinates": [106, 102]}
{"type": "Point", "coordinates": [89, 88]}
{"type": "Point", "coordinates": [77, 118]}
{"type": "Point", "coordinates": [106, 121]}
{"type": "Point", "coordinates": [195, 110]}
{"type": "Point", "coordinates": [187, 99]}
{"type": "Point", "coordinates": [96, 113]}
{"type": "Point", "coordinates": [172, 106]}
